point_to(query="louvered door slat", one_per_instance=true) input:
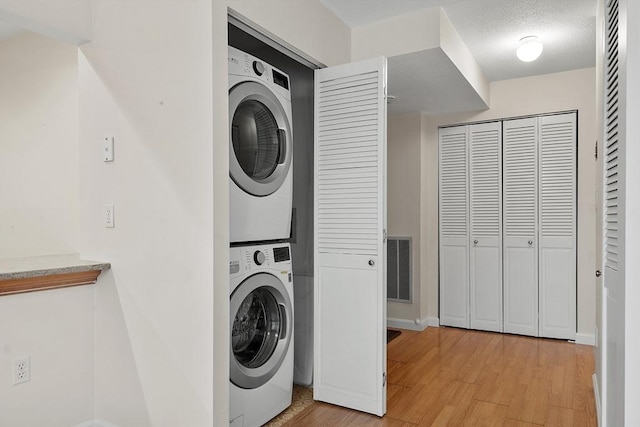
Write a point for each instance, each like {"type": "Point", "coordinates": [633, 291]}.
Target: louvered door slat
{"type": "Point", "coordinates": [485, 254]}
{"type": "Point", "coordinates": [520, 139]}
{"type": "Point", "coordinates": [612, 141]}
{"type": "Point", "coordinates": [454, 236]}
{"type": "Point", "coordinates": [557, 216]}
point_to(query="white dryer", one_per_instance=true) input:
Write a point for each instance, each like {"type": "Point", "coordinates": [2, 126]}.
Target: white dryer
{"type": "Point", "coordinates": [261, 345]}
{"type": "Point", "coordinates": [260, 150]}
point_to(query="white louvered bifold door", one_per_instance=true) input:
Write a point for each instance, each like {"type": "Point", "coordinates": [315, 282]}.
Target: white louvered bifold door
{"type": "Point", "coordinates": [557, 225]}
{"type": "Point", "coordinates": [519, 159]}
{"type": "Point", "coordinates": [350, 221]}
{"type": "Point", "coordinates": [485, 254]}
{"type": "Point", "coordinates": [454, 226]}
{"type": "Point", "coordinates": [616, 164]}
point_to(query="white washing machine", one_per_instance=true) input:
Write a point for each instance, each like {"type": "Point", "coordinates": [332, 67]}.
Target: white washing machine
{"type": "Point", "coordinates": [261, 347]}
{"type": "Point", "coordinates": [260, 150]}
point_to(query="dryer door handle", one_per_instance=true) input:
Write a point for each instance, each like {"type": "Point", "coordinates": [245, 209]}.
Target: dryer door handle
{"type": "Point", "coordinates": [283, 321]}
{"type": "Point", "coordinates": [282, 146]}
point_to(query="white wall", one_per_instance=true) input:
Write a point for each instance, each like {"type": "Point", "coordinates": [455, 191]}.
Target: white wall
{"type": "Point", "coordinates": [38, 216]}
{"type": "Point", "coordinates": [571, 90]}
{"type": "Point", "coordinates": [56, 329]}
{"type": "Point", "coordinates": [403, 201]}
{"type": "Point", "coordinates": [145, 79]}
{"type": "Point", "coordinates": [38, 146]}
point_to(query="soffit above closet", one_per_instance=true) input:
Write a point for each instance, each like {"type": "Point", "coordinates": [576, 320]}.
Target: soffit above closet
{"type": "Point", "coordinates": [491, 30]}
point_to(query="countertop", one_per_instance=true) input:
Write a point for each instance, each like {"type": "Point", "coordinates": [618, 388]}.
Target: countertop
{"type": "Point", "coordinates": [47, 265]}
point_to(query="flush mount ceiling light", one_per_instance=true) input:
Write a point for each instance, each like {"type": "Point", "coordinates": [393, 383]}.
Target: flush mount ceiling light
{"type": "Point", "coordinates": [530, 49]}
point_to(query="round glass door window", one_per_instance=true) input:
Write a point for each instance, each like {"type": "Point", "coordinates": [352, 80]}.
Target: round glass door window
{"type": "Point", "coordinates": [260, 139]}
{"type": "Point", "coordinates": [256, 328]}
{"type": "Point", "coordinates": [261, 326]}
{"type": "Point", "coordinates": [255, 139]}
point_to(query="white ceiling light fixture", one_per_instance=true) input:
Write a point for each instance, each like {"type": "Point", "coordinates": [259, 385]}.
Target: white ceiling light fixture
{"type": "Point", "coordinates": [530, 49]}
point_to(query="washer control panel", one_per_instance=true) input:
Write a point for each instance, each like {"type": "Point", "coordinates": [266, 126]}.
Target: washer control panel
{"type": "Point", "coordinates": [242, 259]}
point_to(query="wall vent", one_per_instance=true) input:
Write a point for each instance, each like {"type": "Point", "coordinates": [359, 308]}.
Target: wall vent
{"type": "Point", "coordinates": [399, 271]}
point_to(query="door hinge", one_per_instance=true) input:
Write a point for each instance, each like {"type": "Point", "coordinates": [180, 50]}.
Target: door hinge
{"type": "Point", "coordinates": [384, 379]}
{"type": "Point", "coordinates": [596, 149]}
{"type": "Point", "coordinates": [384, 235]}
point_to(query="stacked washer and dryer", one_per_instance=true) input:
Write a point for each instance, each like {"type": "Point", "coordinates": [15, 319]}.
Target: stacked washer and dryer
{"type": "Point", "coordinates": [261, 283]}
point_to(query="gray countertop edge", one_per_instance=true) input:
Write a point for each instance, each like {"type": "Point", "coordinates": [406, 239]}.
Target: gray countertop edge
{"type": "Point", "coordinates": [20, 268]}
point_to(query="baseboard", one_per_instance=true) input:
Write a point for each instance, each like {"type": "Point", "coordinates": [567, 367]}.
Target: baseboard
{"type": "Point", "coordinates": [413, 325]}
{"type": "Point", "coordinates": [596, 393]}
{"type": "Point", "coordinates": [586, 339]}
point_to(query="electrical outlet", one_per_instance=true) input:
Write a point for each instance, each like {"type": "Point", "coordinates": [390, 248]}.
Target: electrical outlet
{"type": "Point", "coordinates": [21, 370]}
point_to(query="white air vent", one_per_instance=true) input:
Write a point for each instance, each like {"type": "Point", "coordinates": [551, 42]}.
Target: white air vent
{"type": "Point", "coordinates": [399, 272]}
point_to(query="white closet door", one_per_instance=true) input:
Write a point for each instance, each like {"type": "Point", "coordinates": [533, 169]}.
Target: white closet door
{"type": "Point", "coordinates": [350, 219]}
{"type": "Point", "coordinates": [519, 221]}
{"type": "Point", "coordinates": [557, 236]}
{"type": "Point", "coordinates": [454, 235]}
{"type": "Point", "coordinates": [485, 273]}
{"type": "Point", "coordinates": [616, 164]}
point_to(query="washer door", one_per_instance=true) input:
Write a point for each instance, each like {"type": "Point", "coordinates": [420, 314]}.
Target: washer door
{"type": "Point", "coordinates": [261, 319]}
{"type": "Point", "coordinates": [260, 139]}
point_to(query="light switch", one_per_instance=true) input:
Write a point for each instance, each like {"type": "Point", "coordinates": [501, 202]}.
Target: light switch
{"type": "Point", "coordinates": [109, 219]}
{"type": "Point", "coordinates": [107, 149]}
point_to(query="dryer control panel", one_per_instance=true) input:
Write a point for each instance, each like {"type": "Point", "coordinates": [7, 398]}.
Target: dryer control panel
{"type": "Point", "coordinates": [243, 64]}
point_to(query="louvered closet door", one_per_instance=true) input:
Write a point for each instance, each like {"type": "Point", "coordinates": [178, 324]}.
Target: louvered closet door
{"type": "Point", "coordinates": [519, 222]}
{"type": "Point", "coordinates": [615, 165]}
{"type": "Point", "coordinates": [350, 218]}
{"type": "Point", "coordinates": [454, 226]}
{"type": "Point", "coordinates": [557, 235]}
{"type": "Point", "coordinates": [485, 254]}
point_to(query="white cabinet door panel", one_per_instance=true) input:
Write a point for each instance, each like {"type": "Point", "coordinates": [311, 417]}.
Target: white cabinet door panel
{"type": "Point", "coordinates": [347, 304]}
{"type": "Point", "coordinates": [485, 212]}
{"type": "Point", "coordinates": [557, 235]}
{"type": "Point", "coordinates": [454, 279]}
{"type": "Point", "coordinates": [486, 287]}
{"type": "Point", "coordinates": [521, 296]}
{"type": "Point", "coordinates": [520, 226]}
{"type": "Point", "coordinates": [349, 248]}
{"type": "Point", "coordinates": [557, 293]}
{"type": "Point", "coordinates": [454, 227]}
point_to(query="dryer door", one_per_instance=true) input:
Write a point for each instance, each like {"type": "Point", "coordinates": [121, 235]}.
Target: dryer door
{"type": "Point", "coordinates": [262, 329]}
{"type": "Point", "coordinates": [260, 139]}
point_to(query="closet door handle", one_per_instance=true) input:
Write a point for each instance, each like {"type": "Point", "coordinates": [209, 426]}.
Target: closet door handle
{"type": "Point", "coordinates": [475, 242]}
{"type": "Point", "coordinates": [530, 242]}
{"type": "Point", "coordinates": [371, 262]}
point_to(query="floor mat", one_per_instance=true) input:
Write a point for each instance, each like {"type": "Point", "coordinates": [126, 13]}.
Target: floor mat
{"type": "Point", "coordinates": [302, 398]}
{"type": "Point", "coordinates": [392, 334]}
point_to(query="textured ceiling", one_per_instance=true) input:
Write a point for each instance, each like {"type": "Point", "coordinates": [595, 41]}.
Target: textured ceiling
{"type": "Point", "coordinates": [491, 29]}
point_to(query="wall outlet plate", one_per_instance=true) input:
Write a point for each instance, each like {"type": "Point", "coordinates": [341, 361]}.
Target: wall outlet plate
{"type": "Point", "coordinates": [21, 370]}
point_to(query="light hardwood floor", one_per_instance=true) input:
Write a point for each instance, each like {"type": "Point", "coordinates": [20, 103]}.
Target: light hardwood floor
{"type": "Point", "coordinates": [455, 377]}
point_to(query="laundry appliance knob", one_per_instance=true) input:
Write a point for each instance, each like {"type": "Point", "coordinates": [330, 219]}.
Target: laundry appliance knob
{"type": "Point", "coordinates": [258, 257]}
{"type": "Point", "coordinates": [258, 67]}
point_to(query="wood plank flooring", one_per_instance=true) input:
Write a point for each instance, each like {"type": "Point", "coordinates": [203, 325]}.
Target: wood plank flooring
{"type": "Point", "coordinates": [456, 377]}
